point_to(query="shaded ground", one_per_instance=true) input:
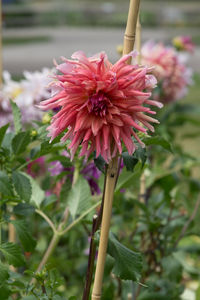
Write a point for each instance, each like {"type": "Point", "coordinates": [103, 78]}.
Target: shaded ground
{"type": "Point", "coordinates": [63, 41]}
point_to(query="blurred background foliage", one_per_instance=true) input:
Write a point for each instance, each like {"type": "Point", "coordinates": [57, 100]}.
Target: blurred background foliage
{"type": "Point", "coordinates": [89, 13]}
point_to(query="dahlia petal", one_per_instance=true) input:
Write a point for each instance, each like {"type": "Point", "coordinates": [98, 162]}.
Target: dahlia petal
{"type": "Point", "coordinates": [106, 132]}
{"type": "Point", "coordinates": [128, 141]}
{"type": "Point", "coordinates": [147, 118]}
{"type": "Point", "coordinates": [77, 139]}
{"type": "Point", "coordinates": [155, 103]}
{"type": "Point", "coordinates": [98, 145]}
{"type": "Point", "coordinates": [123, 60]}
{"type": "Point", "coordinates": [67, 135]}
{"type": "Point", "coordinates": [65, 67]}
{"type": "Point", "coordinates": [149, 126]}
{"type": "Point", "coordinates": [137, 138]}
{"type": "Point", "coordinates": [84, 149]}
{"type": "Point", "coordinates": [129, 121]}
{"type": "Point", "coordinates": [88, 134]}
{"type": "Point", "coordinates": [116, 135]}
{"type": "Point", "coordinates": [96, 125]}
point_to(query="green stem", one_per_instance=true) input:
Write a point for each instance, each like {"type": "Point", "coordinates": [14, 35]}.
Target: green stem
{"type": "Point", "coordinates": [79, 218]}
{"type": "Point", "coordinates": [25, 164]}
{"type": "Point", "coordinates": [41, 213]}
{"type": "Point", "coordinates": [56, 238]}
{"type": "Point", "coordinates": [54, 241]}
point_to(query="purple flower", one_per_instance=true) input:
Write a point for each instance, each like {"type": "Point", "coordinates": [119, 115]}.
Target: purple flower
{"type": "Point", "coordinates": [89, 172]}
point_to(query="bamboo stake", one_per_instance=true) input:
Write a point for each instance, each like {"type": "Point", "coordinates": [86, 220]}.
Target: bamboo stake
{"type": "Point", "coordinates": [139, 57]}
{"type": "Point", "coordinates": [138, 40]}
{"type": "Point", "coordinates": [129, 39]}
{"type": "Point", "coordinates": [12, 237]}
{"type": "Point", "coordinates": [129, 36]}
{"type": "Point", "coordinates": [107, 211]}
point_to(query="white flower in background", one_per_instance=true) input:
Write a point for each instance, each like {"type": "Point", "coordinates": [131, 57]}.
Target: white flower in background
{"type": "Point", "coordinates": [26, 94]}
{"type": "Point", "coordinates": [35, 85]}
{"type": "Point", "coordinates": [11, 90]}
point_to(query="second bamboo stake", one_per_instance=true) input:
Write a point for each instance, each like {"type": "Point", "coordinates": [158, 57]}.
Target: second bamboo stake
{"type": "Point", "coordinates": [107, 211]}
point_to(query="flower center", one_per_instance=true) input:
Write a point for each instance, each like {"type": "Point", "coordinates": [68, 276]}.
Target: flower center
{"type": "Point", "coordinates": [98, 104]}
{"type": "Point", "coordinates": [16, 92]}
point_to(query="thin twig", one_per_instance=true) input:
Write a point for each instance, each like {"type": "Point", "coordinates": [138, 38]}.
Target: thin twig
{"type": "Point", "coordinates": [39, 212]}
{"type": "Point", "coordinates": [79, 218]}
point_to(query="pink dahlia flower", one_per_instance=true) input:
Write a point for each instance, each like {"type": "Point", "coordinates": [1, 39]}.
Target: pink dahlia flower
{"type": "Point", "coordinates": [101, 105]}
{"type": "Point", "coordinates": [170, 70]}
{"type": "Point", "coordinates": [183, 43]}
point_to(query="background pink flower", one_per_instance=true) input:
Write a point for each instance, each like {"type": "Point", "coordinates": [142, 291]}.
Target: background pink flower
{"type": "Point", "coordinates": [170, 70]}
{"type": "Point", "coordinates": [101, 105]}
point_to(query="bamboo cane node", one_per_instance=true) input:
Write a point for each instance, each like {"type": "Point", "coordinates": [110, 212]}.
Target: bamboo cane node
{"type": "Point", "coordinates": [96, 297]}
{"type": "Point", "coordinates": [129, 37]}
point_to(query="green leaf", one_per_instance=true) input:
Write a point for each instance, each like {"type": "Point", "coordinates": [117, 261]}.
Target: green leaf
{"type": "Point", "coordinates": [24, 236]}
{"type": "Point", "coordinates": [22, 185]}
{"type": "Point", "coordinates": [20, 142]}
{"type": "Point", "coordinates": [5, 185]}
{"type": "Point", "coordinates": [100, 163]}
{"type": "Point", "coordinates": [7, 141]}
{"type": "Point", "coordinates": [140, 154]}
{"type": "Point", "coordinates": [129, 161]}
{"type": "Point", "coordinates": [12, 254]}
{"type": "Point", "coordinates": [5, 292]}
{"type": "Point", "coordinates": [65, 190]}
{"type": "Point", "coordinates": [79, 197]}
{"type": "Point", "coordinates": [29, 298]}
{"type": "Point", "coordinates": [4, 273]}
{"type": "Point", "coordinates": [16, 116]}
{"type": "Point", "coordinates": [46, 147]}
{"type": "Point", "coordinates": [126, 178]}
{"type": "Point", "coordinates": [160, 141]}
{"type": "Point", "coordinates": [23, 209]}
{"type": "Point", "coordinates": [197, 293]}
{"type": "Point", "coordinates": [38, 194]}
{"type": "Point", "coordinates": [2, 132]}
{"type": "Point", "coordinates": [128, 264]}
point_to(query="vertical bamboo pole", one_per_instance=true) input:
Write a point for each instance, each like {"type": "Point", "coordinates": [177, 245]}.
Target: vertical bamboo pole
{"type": "Point", "coordinates": [138, 40]}
{"type": "Point", "coordinates": [129, 39]}
{"type": "Point", "coordinates": [107, 211]}
{"type": "Point", "coordinates": [12, 237]}
{"type": "Point", "coordinates": [130, 32]}
{"type": "Point", "coordinates": [139, 57]}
